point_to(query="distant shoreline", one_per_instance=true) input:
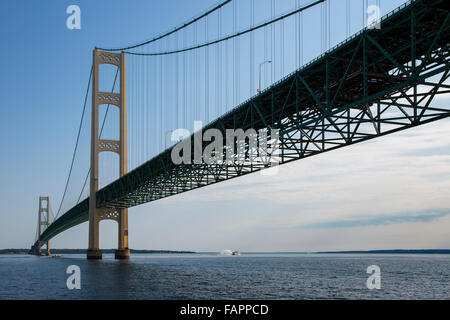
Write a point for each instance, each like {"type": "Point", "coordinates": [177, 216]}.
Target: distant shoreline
{"type": "Point", "coordinates": [83, 251]}
{"type": "Point", "coordinates": [395, 251]}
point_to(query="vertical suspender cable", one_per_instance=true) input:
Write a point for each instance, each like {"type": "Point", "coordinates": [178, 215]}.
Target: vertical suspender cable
{"type": "Point", "coordinates": [206, 72]}
{"type": "Point", "coordinates": [136, 107]}
{"type": "Point", "coordinates": [155, 102]}
{"type": "Point", "coordinates": [296, 36]}
{"type": "Point", "coordinates": [177, 80]}
{"type": "Point", "coordinates": [144, 71]}
{"type": "Point", "coordinates": [301, 36]}
{"type": "Point", "coordinates": [195, 76]}
{"type": "Point", "coordinates": [321, 27]}
{"type": "Point", "coordinates": [147, 111]}
{"type": "Point", "coordinates": [238, 62]}
{"type": "Point", "coordinates": [161, 99]}
{"type": "Point", "coordinates": [219, 64]}
{"type": "Point", "coordinates": [169, 89]}
{"type": "Point", "coordinates": [144, 111]}
{"type": "Point", "coordinates": [155, 106]}
{"type": "Point", "coordinates": [266, 58]}
{"type": "Point", "coordinates": [325, 27]}
{"type": "Point", "coordinates": [143, 95]}
{"type": "Point", "coordinates": [226, 71]}
{"type": "Point", "coordinates": [139, 104]}
{"type": "Point", "coordinates": [378, 4]}
{"type": "Point", "coordinates": [347, 18]}
{"type": "Point", "coordinates": [192, 85]}
{"type": "Point", "coordinates": [131, 109]}
{"type": "Point", "coordinates": [363, 14]}
{"type": "Point", "coordinates": [281, 48]}
{"type": "Point", "coordinates": [185, 83]}
{"type": "Point", "coordinates": [174, 71]}
{"type": "Point", "coordinates": [252, 50]}
{"type": "Point", "coordinates": [272, 28]}
{"type": "Point", "coordinates": [329, 24]}
{"type": "Point", "coordinates": [234, 53]}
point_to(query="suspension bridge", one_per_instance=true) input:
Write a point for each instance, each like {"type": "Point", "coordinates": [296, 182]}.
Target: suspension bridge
{"type": "Point", "coordinates": [382, 78]}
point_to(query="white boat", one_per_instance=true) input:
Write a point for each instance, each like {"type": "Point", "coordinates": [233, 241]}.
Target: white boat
{"type": "Point", "coordinates": [227, 252]}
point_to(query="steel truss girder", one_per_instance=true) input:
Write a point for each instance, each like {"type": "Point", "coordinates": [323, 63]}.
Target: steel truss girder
{"type": "Point", "coordinates": [363, 89]}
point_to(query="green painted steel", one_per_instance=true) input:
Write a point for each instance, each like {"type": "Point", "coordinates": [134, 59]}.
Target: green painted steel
{"type": "Point", "coordinates": [364, 88]}
{"type": "Point", "coordinates": [75, 216]}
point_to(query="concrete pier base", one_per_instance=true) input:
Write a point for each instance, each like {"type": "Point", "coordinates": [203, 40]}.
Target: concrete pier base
{"type": "Point", "coordinates": [35, 251]}
{"type": "Point", "coordinates": [94, 254]}
{"type": "Point", "coordinates": [122, 254]}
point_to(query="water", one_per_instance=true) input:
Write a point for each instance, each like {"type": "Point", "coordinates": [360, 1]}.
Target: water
{"type": "Point", "coordinates": [210, 276]}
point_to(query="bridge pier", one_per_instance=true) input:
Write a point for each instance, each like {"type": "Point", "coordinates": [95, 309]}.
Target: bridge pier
{"type": "Point", "coordinates": [94, 254]}
{"type": "Point", "coordinates": [43, 221]}
{"type": "Point", "coordinates": [123, 252]}
{"type": "Point", "coordinates": [96, 213]}
{"type": "Point", "coordinates": [35, 250]}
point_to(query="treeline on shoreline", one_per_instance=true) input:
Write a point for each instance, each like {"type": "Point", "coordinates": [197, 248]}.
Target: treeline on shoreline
{"type": "Point", "coordinates": [83, 251]}
{"type": "Point", "coordinates": [396, 251]}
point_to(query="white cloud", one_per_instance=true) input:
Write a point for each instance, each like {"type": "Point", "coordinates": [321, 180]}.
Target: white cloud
{"type": "Point", "coordinates": [402, 173]}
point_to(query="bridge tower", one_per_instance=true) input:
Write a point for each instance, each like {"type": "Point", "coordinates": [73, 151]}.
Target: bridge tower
{"type": "Point", "coordinates": [98, 145]}
{"type": "Point", "coordinates": [43, 221]}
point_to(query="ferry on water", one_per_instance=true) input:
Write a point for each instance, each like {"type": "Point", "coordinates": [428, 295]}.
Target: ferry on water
{"type": "Point", "coordinates": [230, 253]}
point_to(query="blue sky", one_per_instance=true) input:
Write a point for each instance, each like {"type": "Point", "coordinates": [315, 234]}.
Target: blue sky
{"type": "Point", "coordinates": [388, 193]}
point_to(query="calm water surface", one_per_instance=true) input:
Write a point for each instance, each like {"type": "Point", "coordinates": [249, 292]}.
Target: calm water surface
{"type": "Point", "coordinates": [210, 276]}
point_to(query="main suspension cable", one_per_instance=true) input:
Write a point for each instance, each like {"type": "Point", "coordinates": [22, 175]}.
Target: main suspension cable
{"type": "Point", "coordinates": [76, 144]}
{"type": "Point", "coordinates": [238, 34]}
{"type": "Point", "coordinates": [207, 13]}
